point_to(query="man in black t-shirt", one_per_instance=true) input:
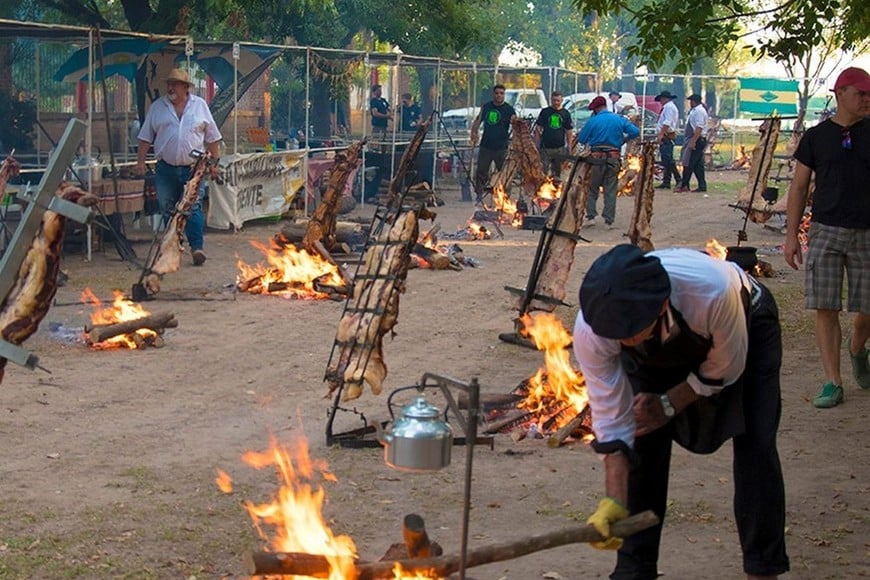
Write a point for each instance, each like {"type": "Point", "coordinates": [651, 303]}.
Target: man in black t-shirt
{"type": "Point", "coordinates": [496, 118]}
{"type": "Point", "coordinates": [410, 113]}
{"type": "Point", "coordinates": [837, 150]}
{"type": "Point", "coordinates": [380, 111]}
{"type": "Point", "coordinates": [553, 130]}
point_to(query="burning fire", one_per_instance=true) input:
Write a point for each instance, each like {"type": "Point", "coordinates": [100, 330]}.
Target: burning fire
{"type": "Point", "coordinates": [291, 272]}
{"type": "Point", "coordinates": [121, 310]}
{"type": "Point", "coordinates": [295, 513]}
{"type": "Point", "coordinates": [558, 382]}
{"type": "Point", "coordinates": [502, 202]}
{"type": "Point", "coordinates": [478, 231]}
{"type": "Point", "coordinates": [628, 174]}
{"type": "Point", "coordinates": [715, 249]}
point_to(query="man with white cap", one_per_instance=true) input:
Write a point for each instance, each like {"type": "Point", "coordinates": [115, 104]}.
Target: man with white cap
{"type": "Point", "coordinates": [837, 150]}
{"type": "Point", "coordinates": [678, 346]}
{"type": "Point", "coordinates": [176, 124]}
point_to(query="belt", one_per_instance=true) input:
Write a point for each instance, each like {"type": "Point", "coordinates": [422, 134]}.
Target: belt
{"type": "Point", "coordinates": [614, 154]}
{"type": "Point", "coordinates": [189, 165]}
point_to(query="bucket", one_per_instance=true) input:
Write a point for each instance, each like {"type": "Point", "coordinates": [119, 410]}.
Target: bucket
{"type": "Point", "coordinates": [744, 256]}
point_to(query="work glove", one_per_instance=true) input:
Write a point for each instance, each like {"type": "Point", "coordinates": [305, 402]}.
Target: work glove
{"type": "Point", "coordinates": [609, 511]}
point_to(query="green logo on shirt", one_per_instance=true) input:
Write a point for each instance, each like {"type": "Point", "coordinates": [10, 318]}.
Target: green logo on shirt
{"type": "Point", "coordinates": [555, 121]}
{"type": "Point", "coordinates": [492, 117]}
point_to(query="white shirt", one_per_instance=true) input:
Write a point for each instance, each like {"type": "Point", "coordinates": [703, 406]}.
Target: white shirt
{"type": "Point", "coordinates": [669, 116]}
{"type": "Point", "coordinates": [698, 118]}
{"type": "Point", "coordinates": [614, 107]}
{"type": "Point", "coordinates": [706, 291]}
{"type": "Point", "coordinates": [173, 138]}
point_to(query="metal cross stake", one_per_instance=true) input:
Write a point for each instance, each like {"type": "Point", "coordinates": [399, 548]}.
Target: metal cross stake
{"type": "Point", "coordinates": [42, 199]}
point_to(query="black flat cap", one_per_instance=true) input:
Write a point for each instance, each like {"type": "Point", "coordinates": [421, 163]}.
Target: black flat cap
{"type": "Point", "coordinates": [623, 292]}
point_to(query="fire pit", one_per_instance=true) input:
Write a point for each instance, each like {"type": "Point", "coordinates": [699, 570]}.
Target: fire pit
{"type": "Point", "coordinates": [124, 324]}
{"type": "Point", "coordinates": [292, 273]}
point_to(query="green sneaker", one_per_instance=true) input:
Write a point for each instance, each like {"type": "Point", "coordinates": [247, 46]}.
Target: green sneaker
{"type": "Point", "coordinates": [831, 395]}
{"type": "Point", "coordinates": [861, 369]}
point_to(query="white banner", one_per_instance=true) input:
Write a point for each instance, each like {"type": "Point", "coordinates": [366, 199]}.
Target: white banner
{"type": "Point", "coordinates": [254, 185]}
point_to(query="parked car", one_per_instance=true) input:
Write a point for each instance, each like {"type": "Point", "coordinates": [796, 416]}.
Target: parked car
{"type": "Point", "coordinates": [526, 102]}
{"type": "Point", "coordinates": [578, 106]}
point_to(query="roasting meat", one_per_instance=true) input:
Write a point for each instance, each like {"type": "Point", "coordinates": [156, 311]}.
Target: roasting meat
{"type": "Point", "coordinates": [639, 229]}
{"type": "Point", "coordinates": [373, 310]}
{"type": "Point", "coordinates": [321, 227]}
{"type": "Point", "coordinates": [759, 172]}
{"type": "Point", "coordinates": [168, 256]}
{"type": "Point", "coordinates": [30, 297]}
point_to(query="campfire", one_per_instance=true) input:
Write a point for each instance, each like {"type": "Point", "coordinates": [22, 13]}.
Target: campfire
{"type": "Point", "coordinates": [760, 269]}
{"type": "Point", "coordinates": [124, 324]}
{"type": "Point", "coordinates": [292, 520]}
{"type": "Point", "coordinates": [628, 173]}
{"type": "Point", "coordinates": [428, 253]}
{"type": "Point", "coordinates": [291, 273]}
{"type": "Point", "coordinates": [553, 402]}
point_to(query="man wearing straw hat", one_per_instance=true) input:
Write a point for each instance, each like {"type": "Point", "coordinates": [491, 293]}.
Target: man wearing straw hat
{"type": "Point", "coordinates": [176, 124]}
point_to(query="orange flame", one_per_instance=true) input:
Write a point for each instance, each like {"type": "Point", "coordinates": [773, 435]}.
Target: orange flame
{"type": "Point", "coordinates": [294, 516]}
{"type": "Point", "coordinates": [558, 380]}
{"type": "Point", "coordinates": [715, 249]}
{"type": "Point", "coordinates": [628, 173]}
{"type": "Point", "coordinates": [121, 310]}
{"type": "Point", "coordinates": [291, 273]}
{"type": "Point", "coordinates": [502, 202]}
{"type": "Point", "coordinates": [549, 190]}
{"type": "Point", "coordinates": [478, 231]}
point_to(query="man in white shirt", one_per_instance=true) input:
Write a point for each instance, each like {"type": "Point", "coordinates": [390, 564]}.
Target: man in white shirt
{"type": "Point", "coordinates": [694, 145]}
{"type": "Point", "coordinates": [176, 124]}
{"type": "Point", "coordinates": [614, 106]}
{"type": "Point", "coordinates": [666, 133]}
{"type": "Point", "coordinates": [663, 340]}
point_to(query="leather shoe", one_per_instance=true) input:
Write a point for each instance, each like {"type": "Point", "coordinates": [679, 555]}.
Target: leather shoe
{"type": "Point", "coordinates": [681, 189]}
{"type": "Point", "coordinates": [199, 257]}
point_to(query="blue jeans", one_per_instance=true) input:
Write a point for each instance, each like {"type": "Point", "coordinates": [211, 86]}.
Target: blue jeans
{"type": "Point", "coordinates": [666, 150]}
{"type": "Point", "coordinates": [169, 181]}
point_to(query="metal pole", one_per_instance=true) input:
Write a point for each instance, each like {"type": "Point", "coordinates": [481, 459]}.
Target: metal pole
{"type": "Point", "coordinates": [307, 122]}
{"type": "Point", "coordinates": [470, 437]}
{"type": "Point", "coordinates": [38, 119]}
{"type": "Point", "coordinates": [437, 106]}
{"type": "Point", "coordinates": [734, 125]}
{"type": "Point", "coordinates": [236, 49]}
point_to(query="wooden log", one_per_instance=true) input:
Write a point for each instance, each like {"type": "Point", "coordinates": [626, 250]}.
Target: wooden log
{"type": "Point", "coordinates": [557, 438]}
{"type": "Point", "coordinates": [155, 322]}
{"type": "Point", "coordinates": [435, 259]}
{"type": "Point", "coordinates": [324, 253]}
{"type": "Point", "coordinates": [263, 563]}
{"type": "Point", "coordinates": [294, 232]}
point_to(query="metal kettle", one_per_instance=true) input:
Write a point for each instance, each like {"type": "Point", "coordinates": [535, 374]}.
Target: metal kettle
{"type": "Point", "coordinates": [419, 439]}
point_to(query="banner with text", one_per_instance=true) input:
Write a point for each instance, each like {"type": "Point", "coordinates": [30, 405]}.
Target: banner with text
{"type": "Point", "coordinates": [768, 96]}
{"type": "Point", "coordinates": [252, 186]}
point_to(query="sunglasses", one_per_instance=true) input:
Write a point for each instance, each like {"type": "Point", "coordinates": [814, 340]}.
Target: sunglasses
{"type": "Point", "coordinates": [847, 139]}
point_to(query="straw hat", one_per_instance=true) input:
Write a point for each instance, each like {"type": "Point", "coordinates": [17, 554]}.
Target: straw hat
{"type": "Point", "coordinates": [180, 76]}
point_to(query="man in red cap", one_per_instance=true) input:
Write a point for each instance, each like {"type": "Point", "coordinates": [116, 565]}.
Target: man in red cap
{"type": "Point", "coordinates": [837, 150]}
{"type": "Point", "coordinates": [605, 132]}
{"type": "Point", "coordinates": [663, 341]}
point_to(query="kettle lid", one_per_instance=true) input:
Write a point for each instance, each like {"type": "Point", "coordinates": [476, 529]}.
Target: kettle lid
{"type": "Point", "coordinates": [420, 409]}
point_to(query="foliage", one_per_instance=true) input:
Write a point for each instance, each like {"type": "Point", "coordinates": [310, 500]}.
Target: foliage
{"type": "Point", "coordinates": [687, 31]}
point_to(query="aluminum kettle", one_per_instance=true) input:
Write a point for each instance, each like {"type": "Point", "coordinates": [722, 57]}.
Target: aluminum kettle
{"type": "Point", "coordinates": [419, 439]}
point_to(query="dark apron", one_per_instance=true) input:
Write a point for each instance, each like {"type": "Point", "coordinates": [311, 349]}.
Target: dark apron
{"type": "Point", "coordinates": [655, 367]}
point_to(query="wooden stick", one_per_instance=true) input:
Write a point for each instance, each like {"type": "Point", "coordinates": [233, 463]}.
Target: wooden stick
{"type": "Point", "coordinates": [263, 563]}
{"type": "Point", "coordinates": [155, 322]}
{"type": "Point", "coordinates": [324, 253]}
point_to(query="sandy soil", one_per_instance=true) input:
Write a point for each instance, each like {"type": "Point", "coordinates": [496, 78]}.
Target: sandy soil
{"type": "Point", "coordinates": [108, 464]}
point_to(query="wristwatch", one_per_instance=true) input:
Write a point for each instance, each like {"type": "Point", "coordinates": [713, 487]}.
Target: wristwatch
{"type": "Point", "coordinates": [667, 407]}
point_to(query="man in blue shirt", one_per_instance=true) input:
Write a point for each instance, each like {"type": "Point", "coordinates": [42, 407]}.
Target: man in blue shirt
{"type": "Point", "coordinates": [605, 132]}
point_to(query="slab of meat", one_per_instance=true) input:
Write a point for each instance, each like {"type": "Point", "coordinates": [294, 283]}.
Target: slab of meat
{"type": "Point", "coordinates": [554, 265]}
{"type": "Point", "coordinates": [639, 229]}
{"type": "Point", "coordinates": [321, 226]}
{"type": "Point", "coordinates": [9, 168]}
{"type": "Point", "coordinates": [36, 282]}
{"type": "Point", "coordinates": [168, 256]}
{"type": "Point", "coordinates": [373, 310]}
{"type": "Point", "coordinates": [759, 172]}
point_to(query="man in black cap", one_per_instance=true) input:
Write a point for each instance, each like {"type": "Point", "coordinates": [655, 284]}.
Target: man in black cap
{"type": "Point", "coordinates": [678, 346]}
{"type": "Point", "coordinates": [694, 145]}
{"type": "Point", "coordinates": [666, 133]}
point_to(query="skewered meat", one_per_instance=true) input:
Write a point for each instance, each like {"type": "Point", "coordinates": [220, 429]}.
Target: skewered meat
{"type": "Point", "coordinates": [406, 164]}
{"type": "Point", "coordinates": [168, 256]}
{"type": "Point", "coordinates": [373, 310]}
{"type": "Point", "coordinates": [322, 226]}
{"type": "Point", "coordinates": [30, 298]}
{"type": "Point", "coordinates": [759, 172]}
{"type": "Point", "coordinates": [639, 229]}
{"type": "Point", "coordinates": [556, 263]}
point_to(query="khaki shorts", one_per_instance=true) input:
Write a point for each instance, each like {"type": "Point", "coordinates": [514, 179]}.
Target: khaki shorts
{"type": "Point", "coordinates": [834, 251]}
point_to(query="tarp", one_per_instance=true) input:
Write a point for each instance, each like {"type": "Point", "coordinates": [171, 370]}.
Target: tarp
{"type": "Point", "coordinates": [121, 56]}
{"type": "Point", "coordinates": [253, 186]}
{"type": "Point", "coordinates": [760, 96]}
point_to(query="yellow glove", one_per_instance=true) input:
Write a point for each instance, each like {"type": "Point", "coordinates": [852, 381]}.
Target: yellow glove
{"type": "Point", "coordinates": [609, 511]}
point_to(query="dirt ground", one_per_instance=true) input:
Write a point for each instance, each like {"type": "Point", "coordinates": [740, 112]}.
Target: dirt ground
{"type": "Point", "coordinates": [107, 466]}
